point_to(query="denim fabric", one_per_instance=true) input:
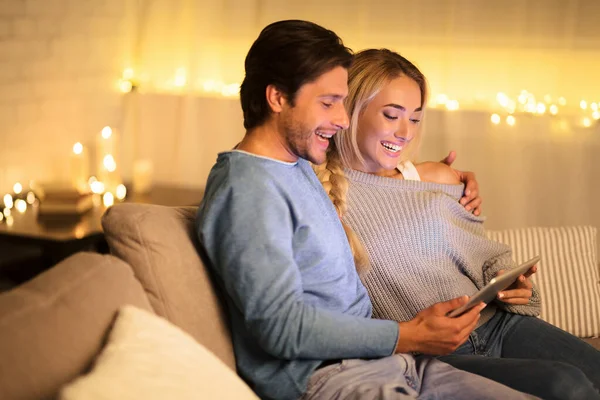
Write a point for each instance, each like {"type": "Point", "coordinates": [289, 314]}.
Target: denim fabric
{"type": "Point", "coordinates": [402, 377]}
{"type": "Point", "coordinates": [532, 356]}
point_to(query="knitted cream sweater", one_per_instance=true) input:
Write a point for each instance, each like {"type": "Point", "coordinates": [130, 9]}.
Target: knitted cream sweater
{"type": "Point", "coordinates": [423, 246]}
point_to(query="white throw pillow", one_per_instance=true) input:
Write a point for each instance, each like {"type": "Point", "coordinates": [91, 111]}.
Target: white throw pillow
{"type": "Point", "coordinates": [567, 278]}
{"type": "Point", "coordinates": [147, 357]}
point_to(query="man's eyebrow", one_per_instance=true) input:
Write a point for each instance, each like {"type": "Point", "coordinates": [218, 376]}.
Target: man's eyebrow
{"type": "Point", "coordinates": [402, 108]}
{"type": "Point", "coordinates": [333, 96]}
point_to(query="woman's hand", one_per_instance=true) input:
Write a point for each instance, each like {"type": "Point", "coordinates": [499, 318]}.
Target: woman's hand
{"type": "Point", "coordinates": [470, 199]}
{"type": "Point", "coordinates": [520, 291]}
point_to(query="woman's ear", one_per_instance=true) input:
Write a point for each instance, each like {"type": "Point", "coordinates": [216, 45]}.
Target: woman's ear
{"type": "Point", "coordinates": [275, 98]}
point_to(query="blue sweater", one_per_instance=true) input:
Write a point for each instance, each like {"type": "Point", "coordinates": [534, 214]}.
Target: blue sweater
{"type": "Point", "coordinates": [278, 250]}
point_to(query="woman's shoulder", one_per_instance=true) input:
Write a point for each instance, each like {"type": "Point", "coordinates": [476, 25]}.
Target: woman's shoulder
{"type": "Point", "coordinates": [437, 172]}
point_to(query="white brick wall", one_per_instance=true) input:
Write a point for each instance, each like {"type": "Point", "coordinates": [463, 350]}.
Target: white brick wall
{"type": "Point", "coordinates": [60, 61]}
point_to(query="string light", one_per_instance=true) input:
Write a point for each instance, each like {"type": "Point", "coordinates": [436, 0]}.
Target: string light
{"type": "Point", "coordinates": [121, 192]}
{"type": "Point", "coordinates": [452, 105]}
{"type": "Point", "coordinates": [586, 122]}
{"type": "Point", "coordinates": [583, 104]}
{"type": "Point", "coordinates": [108, 199]}
{"type": "Point", "coordinates": [495, 119]}
{"type": "Point", "coordinates": [106, 132]}
{"type": "Point", "coordinates": [17, 188]}
{"type": "Point", "coordinates": [553, 109]}
{"type": "Point", "coordinates": [510, 120]}
{"type": "Point", "coordinates": [21, 205]}
{"type": "Point", "coordinates": [8, 201]}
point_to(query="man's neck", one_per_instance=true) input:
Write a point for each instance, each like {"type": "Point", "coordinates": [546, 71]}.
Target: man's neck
{"type": "Point", "coordinates": [266, 141]}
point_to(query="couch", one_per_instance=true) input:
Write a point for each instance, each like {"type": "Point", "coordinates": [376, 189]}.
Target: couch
{"type": "Point", "coordinates": [54, 327]}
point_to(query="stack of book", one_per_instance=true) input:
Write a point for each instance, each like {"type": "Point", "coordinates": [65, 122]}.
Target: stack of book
{"type": "Point", "coordinates": [64, 201]}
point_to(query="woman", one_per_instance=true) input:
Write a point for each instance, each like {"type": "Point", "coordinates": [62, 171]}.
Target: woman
{"type": "Point", "coordinates": [405, 223]}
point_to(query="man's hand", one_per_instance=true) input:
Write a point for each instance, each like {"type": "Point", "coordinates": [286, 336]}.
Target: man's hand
{"type": "Point", "coordinates": [432, 332]}
{"type": "Point", "coordinates": [520, 291]}
{"type": "Point", "coordinates": [470, 199]}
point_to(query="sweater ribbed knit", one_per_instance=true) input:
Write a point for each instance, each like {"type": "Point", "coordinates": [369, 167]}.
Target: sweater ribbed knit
{"type": "Point", "coordinates": [423, 246]}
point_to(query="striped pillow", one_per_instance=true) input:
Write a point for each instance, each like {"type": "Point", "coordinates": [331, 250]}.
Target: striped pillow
{"type": "Point", "coordinates": [568, 273]}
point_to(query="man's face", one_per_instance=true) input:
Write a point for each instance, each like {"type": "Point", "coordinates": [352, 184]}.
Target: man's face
{"type": "Point", "coordinates": [317, 115]}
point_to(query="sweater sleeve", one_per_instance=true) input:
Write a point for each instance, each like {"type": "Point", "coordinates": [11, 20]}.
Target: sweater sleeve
{"type": "Point", "coordinates": [247, 235]}
{"type": "Point", "coordinates": [505, 261]}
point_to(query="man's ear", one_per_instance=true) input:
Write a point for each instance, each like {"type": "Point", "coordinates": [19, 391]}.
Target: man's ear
{"type": "Point", "coordinates": [275, 98]}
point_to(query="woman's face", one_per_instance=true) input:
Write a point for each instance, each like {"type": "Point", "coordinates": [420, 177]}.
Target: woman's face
{"type": "Point", "coordinates": [388, 123]}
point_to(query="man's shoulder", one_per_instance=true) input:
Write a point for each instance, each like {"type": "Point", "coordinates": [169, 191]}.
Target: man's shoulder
{"type": "Point", "coordinates": [244, 173]}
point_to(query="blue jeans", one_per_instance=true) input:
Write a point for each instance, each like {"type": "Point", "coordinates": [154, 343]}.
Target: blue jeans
{"type": "Point", "coordinates": [402, 377]}
{"type": "Point", "coordinates": [531, 356]}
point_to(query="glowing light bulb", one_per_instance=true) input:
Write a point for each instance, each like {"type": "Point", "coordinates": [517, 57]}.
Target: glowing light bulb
{"type": "Point", "coordinates": [97, 187]}
{"type": "Point", "coordinates": [553, 109]}
{"type": "Point", "coordinates": [128, 73]}
{"type": "Point", "coordinates": [594, 106]}
{"type": "Point", "coordinates": [502, 99]}
{"type": "Point", "coordinates": [586, 122]}
{"type": "Point", "coordinates": [108, 199]}
{"type": "Point", "coordinates": [495, 119]}
{"type": "Point", "coordinates": [583, 104]}
{"type": "Point", "coordinates": [452, 105]}
{"type": "Point", "coordinates": [441, 99]}
{"type": "Point", "coordinates": [17, 188]}
{"type": "Point", "coordinates": [510, 120]}
{"type": "Point", "coordinates": [6, 212]}
{"type": "Point", "coordinates": [121, 192]}
{"type": "Point", "coordinates": [8, 201]}
{"type": "Point", "coordinates": [541, 108]}
{"type": "Point", "coordinates": [106, 132]}
{"type": "Point", "coordinates": [596, 115]}
{"type": "Point", "coordinates": [77, 148]}
{"type": "Point", "coordinates": [21, 205]}
{"type": "Point", "coordinates": [125, 86]}
{"type": "Point", "coordinates": [30, 197]}
{"type": "Point", "coordinates": [109, 163]}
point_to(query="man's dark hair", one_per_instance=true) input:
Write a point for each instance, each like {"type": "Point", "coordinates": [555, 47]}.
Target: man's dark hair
{"type": "Point", "coordinates": [287, 54]}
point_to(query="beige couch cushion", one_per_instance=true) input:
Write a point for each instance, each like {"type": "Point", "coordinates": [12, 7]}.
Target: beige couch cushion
{"type": "Point", "coordinates": [53, 326]}
{"type": "Point", "coordinates": [160, 244]}
{"type": "Point", "coordinates": [149, 358]}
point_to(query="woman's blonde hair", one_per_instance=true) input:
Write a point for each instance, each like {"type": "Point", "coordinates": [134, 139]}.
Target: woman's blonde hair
{"type": "Point", "coordinates": [370, 71]}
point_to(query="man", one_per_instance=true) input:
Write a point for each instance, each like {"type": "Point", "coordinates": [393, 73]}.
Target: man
{"type": "Point", "coordinates": [296, 305]}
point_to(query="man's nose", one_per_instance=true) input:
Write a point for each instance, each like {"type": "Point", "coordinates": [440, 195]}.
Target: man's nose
{"type": "Point", "coordinates": [341, 118]}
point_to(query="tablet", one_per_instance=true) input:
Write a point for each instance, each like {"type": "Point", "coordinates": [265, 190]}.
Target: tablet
{"type": "Point", "coordinates": [497, 284]}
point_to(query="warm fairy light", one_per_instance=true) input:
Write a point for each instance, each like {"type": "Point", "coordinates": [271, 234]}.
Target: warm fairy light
{"type": "Point", "coordinates": [583, 104]}
{"type": "Point", "coordinates": [109, 163]}
{"type": "Point", "coordinates": [553, 109]}
{"type": "Point", "coordinates": [594, 106]}
{"type": "Point", "coordinates": [128, 73]}
{"type": "Point", "coordinates": [6, 212]}
{"type": "Point", "coordinates": [30, 197]}
{"type": "Point", "coordinates": [77, 148]}
{"type": "Point", "coordinates": [562, 101]}
{"type": "Point", "coordinates": [17, 188]}
{"type": "Point", "coordinates": [8, 201]}
{"type": "Point", "coordinates": [541, 108]}
{"type": "Point", "coordinates": [441, 99]}
{"type": "Point", "coordinates": [125, 86]}
{"type": "Point", "coordinates": [1, 217]}
{"type": "Point", "coordinates": [596, 115]}
{"type": "Point", "coordinates": [92, 180]}
{"type": "Point", "coordinates": [495, 119]}
{"type": "Point", "coordinates": [502, 99]}
{"type": "Point", "coordinates": [9, 220]}
{"type": "Point", "coordinates": [548, 98]}
{"type": "Point", "coordinates": [180, 77]}
{"type": "Point", "coordinates": [510, 120]}
{"type": "Point", "coordinates": [530, 107]}
{"type": "Point", "coordinates": [121, 192]}
{"type": "Point", "coordinates": [452, 105]}
{"type": "Point", "coordinates": [586, 122]}
{"type": "Point", "coordinates": [21, 205]}
{"type": "Point", "coordinates": [106, 132]}
{"type": "Point", "coordinates": [108, 199]}
{"type": "Point", "coordinates": [97, 187]}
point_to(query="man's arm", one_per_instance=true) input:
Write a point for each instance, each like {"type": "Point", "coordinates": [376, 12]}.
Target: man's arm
{"type": "Point", "coordinates": [249, 242]}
